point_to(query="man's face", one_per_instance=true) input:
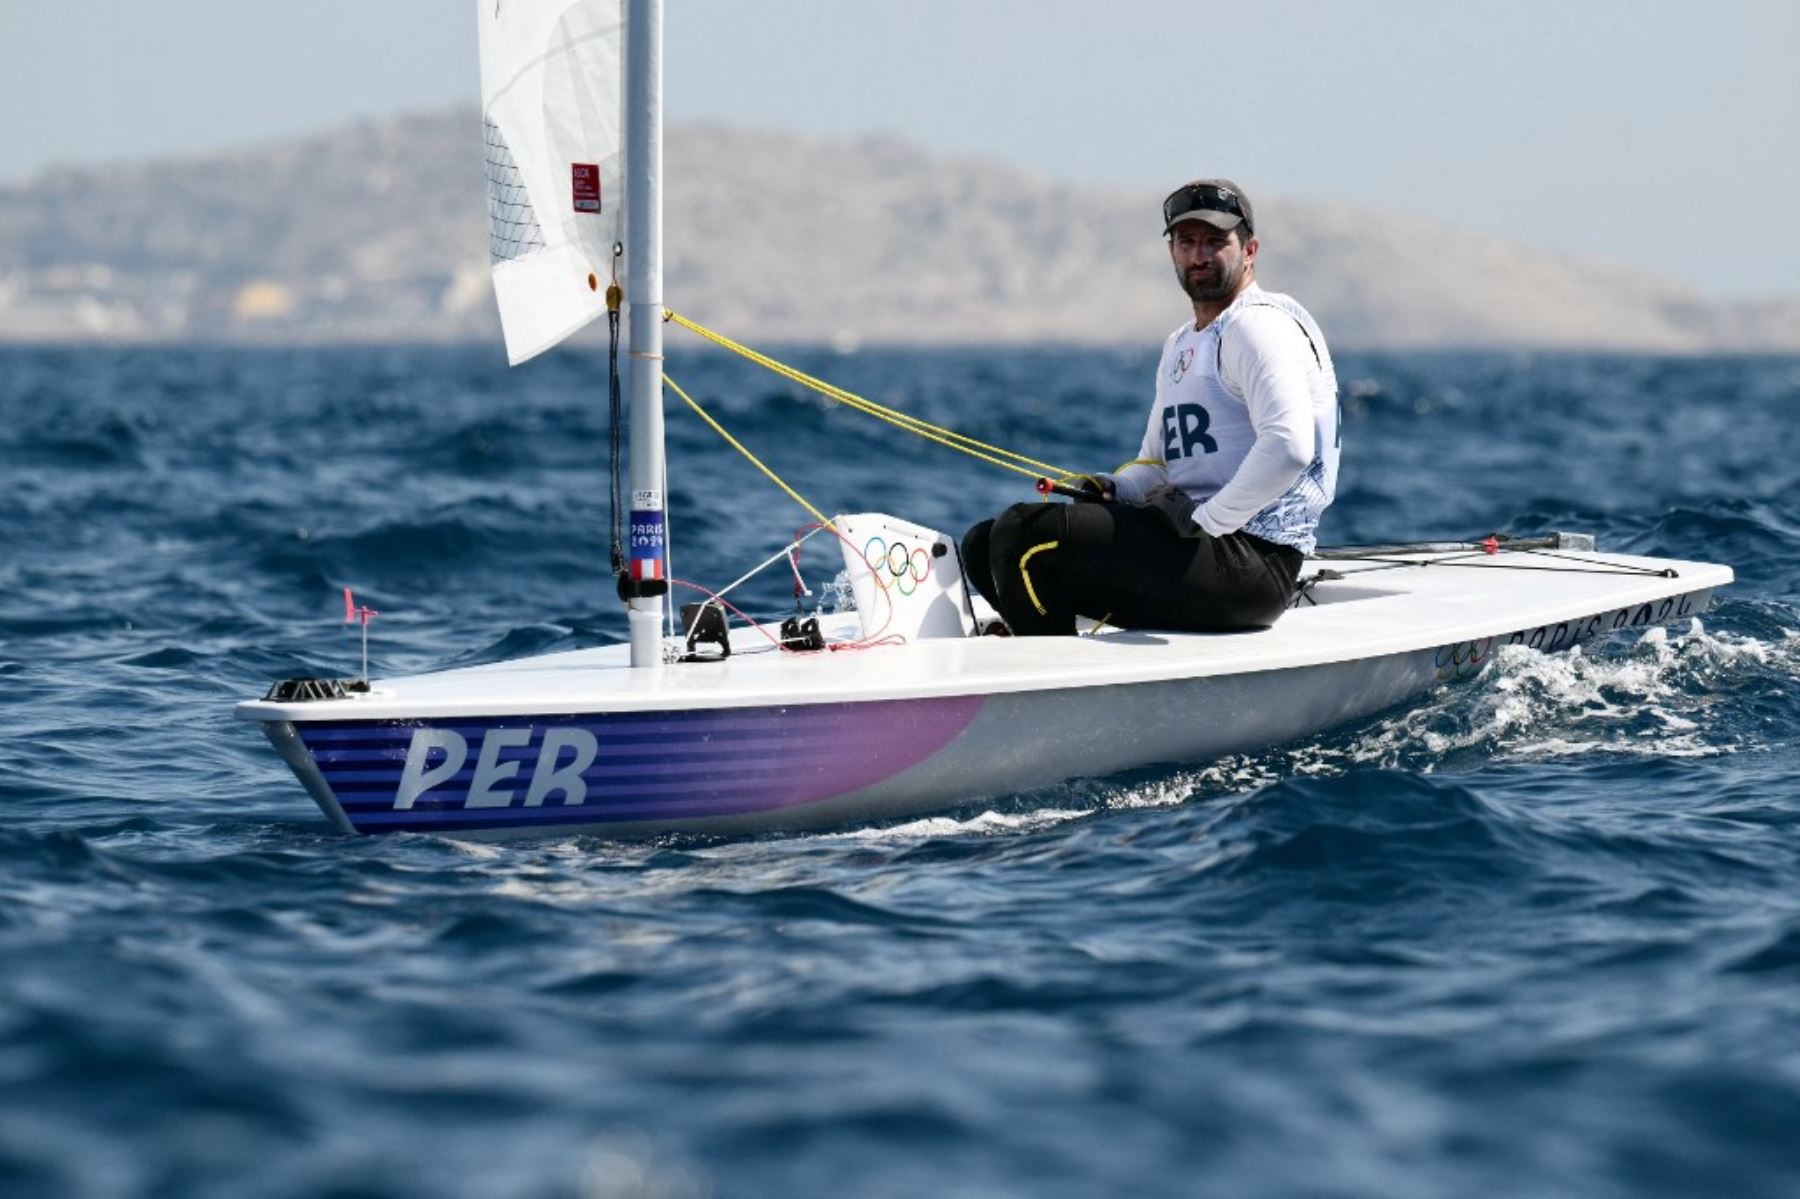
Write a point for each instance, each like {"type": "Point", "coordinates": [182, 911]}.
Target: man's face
{"type": "Point", "coordinates": [1209, 264]}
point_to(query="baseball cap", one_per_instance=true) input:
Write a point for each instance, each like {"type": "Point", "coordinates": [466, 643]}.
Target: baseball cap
{"type": "Point", "coordinates": [1219, 202]}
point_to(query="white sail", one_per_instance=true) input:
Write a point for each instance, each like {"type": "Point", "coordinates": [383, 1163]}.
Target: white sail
{"type": "Point", "coordinates": [552, 102]}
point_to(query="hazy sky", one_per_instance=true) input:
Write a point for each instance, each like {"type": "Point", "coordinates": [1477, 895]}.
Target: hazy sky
{"type": "Point", "coordinates": [1649, 132]}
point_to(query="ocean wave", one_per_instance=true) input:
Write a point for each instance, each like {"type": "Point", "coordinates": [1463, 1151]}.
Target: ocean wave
{"type": "Point", "coordinates": [1531, 933]}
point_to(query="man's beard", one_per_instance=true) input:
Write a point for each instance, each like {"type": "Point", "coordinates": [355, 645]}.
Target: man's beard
{"type": "Point", "coordinates": [1220, 286]}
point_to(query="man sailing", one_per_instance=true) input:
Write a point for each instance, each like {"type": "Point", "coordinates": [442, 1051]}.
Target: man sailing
{"type": "Point", "coordinates": [1206, 529]}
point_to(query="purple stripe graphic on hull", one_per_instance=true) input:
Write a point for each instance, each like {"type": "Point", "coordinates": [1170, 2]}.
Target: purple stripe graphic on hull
{"type": "Point", "coordinates": [468, 773]}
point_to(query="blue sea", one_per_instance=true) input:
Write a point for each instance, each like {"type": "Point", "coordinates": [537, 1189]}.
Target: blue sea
{"type": "Point", "coordinates": [1534, 935]}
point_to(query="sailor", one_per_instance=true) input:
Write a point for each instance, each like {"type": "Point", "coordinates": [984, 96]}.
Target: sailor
{"type": "Point", "coordinates": [1206, 528]}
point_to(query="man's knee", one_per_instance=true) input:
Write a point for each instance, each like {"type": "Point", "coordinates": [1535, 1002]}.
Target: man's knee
{"type": "Point", "coordinates": [1026, 523]}
{"type": "Point", "coordinates": [977, 564]}
{"type": "Point", "coordinates": [975, 542]}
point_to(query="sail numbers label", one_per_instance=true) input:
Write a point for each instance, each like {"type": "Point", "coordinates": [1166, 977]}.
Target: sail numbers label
{"type": "Point", "coordinates": [586, 177]}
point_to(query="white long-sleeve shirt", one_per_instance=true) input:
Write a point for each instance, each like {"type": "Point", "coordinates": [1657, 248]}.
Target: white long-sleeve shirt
{"type": "Point", "coordinates": [1245, 421]}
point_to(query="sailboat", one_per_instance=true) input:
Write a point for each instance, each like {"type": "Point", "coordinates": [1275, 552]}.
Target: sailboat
{"type": "Point", "coordinates": [721, 730]}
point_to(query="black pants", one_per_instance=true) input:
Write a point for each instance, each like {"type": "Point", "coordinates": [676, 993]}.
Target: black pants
{"type": "Point", "coordinates": [1042, 565]}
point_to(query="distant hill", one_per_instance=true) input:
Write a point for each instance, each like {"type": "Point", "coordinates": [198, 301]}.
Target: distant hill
{"type": "Point", "coordinates": [378, 232]}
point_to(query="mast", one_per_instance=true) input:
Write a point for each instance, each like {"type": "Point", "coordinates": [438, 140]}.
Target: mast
{"type": "Point", "coordinates": [644, 298]}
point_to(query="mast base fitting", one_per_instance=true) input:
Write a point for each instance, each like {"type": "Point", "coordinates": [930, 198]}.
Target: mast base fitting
{"type": "Point", "coordinates": [630, 588]}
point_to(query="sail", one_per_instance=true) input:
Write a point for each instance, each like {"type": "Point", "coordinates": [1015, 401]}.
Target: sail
{"type": "Point", "coordinates": [552, 103]}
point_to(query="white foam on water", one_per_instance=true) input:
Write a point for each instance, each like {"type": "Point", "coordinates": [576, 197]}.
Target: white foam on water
{"type": "Point", "coordinates": [483, 851]}
{"type": "Point", "coordinates": [1655, 698]}
{"type": "Point", "coordinates": [987, 823]}
{"type": "Point", "coordinates": [1230, 775]}
{"type": "Point", "coordinates": [1164, 793]}
{"type": "Point", "coordinates": [837, 595]}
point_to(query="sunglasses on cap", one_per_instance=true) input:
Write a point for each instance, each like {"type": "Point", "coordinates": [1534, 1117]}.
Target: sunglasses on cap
{"type": "Point", "coordinates": [1204, 197]}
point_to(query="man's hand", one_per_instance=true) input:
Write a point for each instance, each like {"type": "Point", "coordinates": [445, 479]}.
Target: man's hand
{"type": "Point", "coordinates": [1091, 488]}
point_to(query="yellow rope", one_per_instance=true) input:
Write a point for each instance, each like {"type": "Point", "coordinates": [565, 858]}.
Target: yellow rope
{"type": "Point", "coordinates": [754, 460]}
{"type": "Point", "coordinates": [995, 455]}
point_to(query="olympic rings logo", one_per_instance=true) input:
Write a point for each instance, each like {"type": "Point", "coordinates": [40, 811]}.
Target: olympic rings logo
{"type": "Point", "coordinates": [1463, 659]}
{"type": "Point", "coordinates": [906, 567]}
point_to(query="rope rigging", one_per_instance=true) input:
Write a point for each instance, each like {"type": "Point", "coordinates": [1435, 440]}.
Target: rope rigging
{"type": "Point", "coordinates": [739, 446]}
{"type": "Point", "coordinates": [1006, 459]}
{"type": "Point", "coordinates": [1379, 557]}
{"type": "Point", "coordinates": [1469, 553]}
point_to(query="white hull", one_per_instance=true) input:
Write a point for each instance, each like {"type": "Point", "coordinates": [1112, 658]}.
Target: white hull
{"type": "Point", "coordinates": [579, 742]}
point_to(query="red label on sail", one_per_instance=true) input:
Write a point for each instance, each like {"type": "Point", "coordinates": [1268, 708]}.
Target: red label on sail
{"type": "Point", "coordinates": [586, 176]}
